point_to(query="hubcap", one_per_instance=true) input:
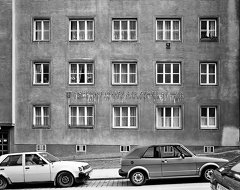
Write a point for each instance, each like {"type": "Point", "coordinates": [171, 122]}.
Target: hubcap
{"type": "Point", "coordinates": [208, 174]}
{"type": "Point", "coordinates": [138, 177]}
{"type": "Point", "coordinates": [65, 179]}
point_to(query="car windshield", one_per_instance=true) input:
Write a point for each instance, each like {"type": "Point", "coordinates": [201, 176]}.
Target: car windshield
{"type": "Point", "coordinates": [49, 157]}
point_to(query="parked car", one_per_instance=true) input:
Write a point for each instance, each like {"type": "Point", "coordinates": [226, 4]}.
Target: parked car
{"type": "Point", "coordinates": [28, 167]}
{"type": "Point", "coordinates": [227, 177]}
{"type": "Point", "coordinates": [166, 161]}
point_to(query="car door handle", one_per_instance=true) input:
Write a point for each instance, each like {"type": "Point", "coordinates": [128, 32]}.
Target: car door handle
{"type": "Point", "coordinates": [164, 161]}
{"type": "Point", "coordinates": [27, 168]}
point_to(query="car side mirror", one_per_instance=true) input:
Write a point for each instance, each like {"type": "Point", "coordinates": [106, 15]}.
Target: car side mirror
{"type": "Point", "coordinates": [183, 156]}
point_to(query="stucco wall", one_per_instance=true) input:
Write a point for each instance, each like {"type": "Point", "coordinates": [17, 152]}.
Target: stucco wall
{"type": "Point", "coordinates": [5, 62]}
{"type": "Point", "coordinates": [146, 51]}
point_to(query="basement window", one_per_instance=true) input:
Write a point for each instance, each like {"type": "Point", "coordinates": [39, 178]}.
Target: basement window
{"type": "Point", "coordinates": [41, 147]}
{"type": "Point", "coordinates": [208, 149]}
{"type": "Point", "coordinates": [124, 148]}
{"type": "Point", "coordinates": [81, 148]}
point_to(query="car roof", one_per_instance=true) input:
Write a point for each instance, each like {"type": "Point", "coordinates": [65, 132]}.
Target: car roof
{"type": "Point", "coordinates": [16, 153]}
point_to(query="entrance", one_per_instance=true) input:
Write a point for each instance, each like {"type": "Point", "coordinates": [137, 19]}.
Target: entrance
{"type": "Point", "coordinates": [3, 142]}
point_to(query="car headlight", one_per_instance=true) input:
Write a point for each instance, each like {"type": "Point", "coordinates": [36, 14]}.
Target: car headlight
{"type": "Point", "coordinates": [80, 169]}
{"type": "Point", "coordinates": [221, 169]}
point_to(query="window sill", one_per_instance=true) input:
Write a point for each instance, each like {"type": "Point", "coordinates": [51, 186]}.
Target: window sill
{"type": "Point", "coordinates": [124, 84]}
{"type": "Point", "coordinates": [208, 128]}
{"type": "Point", "coordinates": [35, 41]}
{"type": "Point", "coordinates": [169, 128]}
{"type": "Point", "coordinates": [41, 84]}
{"type": "Point", "coordinates": [41, 127]}
{"type": "Point", "coordinates": [81, 41]}
{"type": "Point", "coordinates": [208, 39]}
{"type": "Point", "coordinates": [168, 41]}
{"type": "Point", "coordinates": [81, 126]}
{"type": "Point", "coordinates": [124, 40]}
{"type": "Point", "coordinates": [128, 128]}
{"type": "Point", "coordinates": [80, 84]}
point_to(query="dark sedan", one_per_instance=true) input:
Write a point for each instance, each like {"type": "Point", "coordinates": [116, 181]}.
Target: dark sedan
{"type": "Point", "coordinates": [227, 177]}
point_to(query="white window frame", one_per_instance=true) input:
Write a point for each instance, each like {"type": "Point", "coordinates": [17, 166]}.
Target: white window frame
{"type": "Point", "coordinates": [42, 29]}
{"type": "Point", "coordinates": [164, 117]}
{"type": "Point", "coordinates": [42, 115]}
{"type": "Point", "coordinates": [208, 28]}
{"type": "Point", "coordinates": [81, 148]}
{"type": "Point", "coordinates": [42, 73]}
{"type": "Point", "coordinates": [208, 126]}
{"type": "Point", "coordinates": [164, 73]}
{"type": "Point", "coordinates": [171, 29]}
{"type": "Point", "coordinates": [124, 148]}
{"type": "Point", "coordinates": [78, 30]}
{"type": "Point", "coordinates": [208, 149]}
{"type": "Point", "coordinates": [129, 116]}
{"type": "Point", "coordinates": [208, 74]}
{"type": "Point", "coordinates": [85, 116]}
{"type": "Point", "coordinates": [120, 73]}
{"type": "Point", "coordinates": [128, 30]}
{"type": "Point", "coordinates": [78, 73]}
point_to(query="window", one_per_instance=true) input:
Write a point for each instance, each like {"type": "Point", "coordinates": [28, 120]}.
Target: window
{"type": "Point", "coordinates": [124, 117]}
{"type": "Point", "coordinates": [208, 117]}
{"type": "Point", "coordinates": [168, 29]}
{"type": "Point", "coordinates": [41, 73]}
{"type": "Point", "coordinates": [124, 148]}
{"type": "Point", "coordinates": [208, 73]}
{"type": "Point", "coordinates": [81, 30]}
{"type": "Point", "coordinates": [208, 29]}
{"type": "Point", "coordinates": [168, 73]}
{"type": "Point", "coordinates": [41, 30]}
{"type": "Point", "coordinates": [41, 147]}
{"type": "Point", "coordinates": [81, 148]}
{"type": "Point", "coordinates": [124, 29]}
{"type": "Point", "coordinates": [12, 160]}
{"type": "Point", "coordinates": [81, 73]}
{"type": "Point", "coordinates": [152, 152]}
{"type": "Point", "coordinates": [168, 118]}
{"type": "Point", "coordinates": [81, 116]}
{"type": "Point", "coordinates": [208, 149]}
{"type": "Point", "coordinates": [124, 73]}
{"type": "Point", "coordinates": [41, 116]}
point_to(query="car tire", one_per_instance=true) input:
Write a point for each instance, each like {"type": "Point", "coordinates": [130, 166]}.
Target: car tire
{"type": "Point", "coordinates": [138, 177]}
{"type": "Point", "coordinates": [65, 179]}
{"type": "Point", "coordinates": [207, 173]}
{"type": "Point", "coordinates": [3, 182]}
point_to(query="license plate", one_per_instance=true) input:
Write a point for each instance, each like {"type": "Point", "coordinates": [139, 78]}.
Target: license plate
{"type": "Point", "coordinates": [220, 187]}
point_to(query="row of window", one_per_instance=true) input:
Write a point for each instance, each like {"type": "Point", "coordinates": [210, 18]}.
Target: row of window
{"type": "Point", "coordinates": [126, 29]}
{"type": "Point", "coordinates": [126, 117]}
{"type": "Point", "coordinates": [125, 73]}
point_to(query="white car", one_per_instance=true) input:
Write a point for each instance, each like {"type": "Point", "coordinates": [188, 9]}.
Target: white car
{"type": "Point", "coordinates": [29, 167]}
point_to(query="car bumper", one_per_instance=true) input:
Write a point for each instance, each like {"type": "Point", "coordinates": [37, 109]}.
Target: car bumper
{"type": "Point", "coordinates": [122, 173]}
{"type": "Point", "coordinates": [82, 177]}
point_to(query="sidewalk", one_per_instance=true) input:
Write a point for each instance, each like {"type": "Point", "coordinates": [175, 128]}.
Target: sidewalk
{"type": "Point", "coordinates": [105, 174]}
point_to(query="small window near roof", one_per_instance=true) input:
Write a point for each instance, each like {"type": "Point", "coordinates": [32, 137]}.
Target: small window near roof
{"type": "Point", "coordinates": [208, 149]}
{"type": "Point", "coordinates": [41, 147]}
{"type": "Point", "coordinates": [124, 148]}
{"type": "Point", "coordinates": [81, 148]}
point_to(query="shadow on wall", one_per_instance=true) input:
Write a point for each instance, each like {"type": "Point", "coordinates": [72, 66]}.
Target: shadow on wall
{"type": "Point", "coordinates": [230, 136]}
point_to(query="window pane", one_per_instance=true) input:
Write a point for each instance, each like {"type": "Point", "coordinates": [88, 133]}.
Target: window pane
{"type": "Point", "coordinates": [160, 78]}
{"type": "Point", "coordinates": [132, 68]}
{"type": "Point", "coordinates": [38, 25]}
{"type": "Point", "coordinates": [46, 35]}
{"type": "Point", "coordinates": [116, 25]}
{"type": "Point", "coordinates": [211, 112]}
{"type": "Point", "coordinates": [132, 25]}
{"type": "Point", "coordinates": [175, 68]}
{"type": "Point", "coordinates": [124, 25]}
{"type": "Point", "coordinates": [204, 112]}
{"type": "Point", "coordinates": [167, 68]}
{"type": "Point", "coordinates": [212, 79]}
{"type": "Point", "coordinates": [46, 25]}
{"type": "Point", "coordinates": [176, 25]}
{"type": "Point", "coordinates": [73, 25]}
{"type": "Point", "coordinates": [46, 78]}
{"type": "Point", "coordinates": [160, 68]}
{"type": "Point", "coordinates": [167, 78]}
{"type": "Point", "coordinates": [90, 25]}
{"type": "Point", "coordinates": [38, 78]}
{"type": "Point", "coordinates": [81, 25]}
{"type": "Point", "coordinates": [211, 68]}
{"type": "Point", "coordinates": [124, 111]}
{"type": "Point", "coordinates": [203, 25]}
{"type": "Point", "coordinates": [168, 112]}
{"type": "Point", "coordinates": [175, 112]}
{"type": "Point", "coordinates": [45, 68]}
{"type": "Point", "coordinates": [175, 78]}
{"type": "Point", "coordinates": [117, 111]}
{"type": "Point", "coordinates": [159, 25]}
{"type": "Point", "coordinates": [203, 78]}
{"type": "Point", "coordinates": [89, 111]}
{"type": "Point", "coordinates": [203, 68]}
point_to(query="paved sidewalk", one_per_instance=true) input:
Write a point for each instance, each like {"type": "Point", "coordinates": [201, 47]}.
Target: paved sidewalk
{"type": "Point", "coordinates": [105, 174]}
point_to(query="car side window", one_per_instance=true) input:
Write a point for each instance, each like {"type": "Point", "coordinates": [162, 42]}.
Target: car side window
{"type": "Point", "coordinates": [33, 159]}
{"type": "Point", "coordinates": [13, 160]}
{"type": "Point", "coordinates": [152, 152]}
{"type": "Point", "coordinates": [169, 152]}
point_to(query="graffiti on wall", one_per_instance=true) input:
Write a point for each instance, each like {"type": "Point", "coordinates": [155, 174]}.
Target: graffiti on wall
{"type": "Point", "coordinates": [126, 96]}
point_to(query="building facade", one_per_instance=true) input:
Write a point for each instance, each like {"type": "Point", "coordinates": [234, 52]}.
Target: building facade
{"type": "Point", "coordinates": [99, 77]}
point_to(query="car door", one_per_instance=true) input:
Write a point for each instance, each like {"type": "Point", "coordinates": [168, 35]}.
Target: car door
{"type": "Point", "coordinates": [175, 164]}
{"type": "Point", "coordinates": [152, 162]}
{"type": "Point", "coordinates": [12, 168]}
{"type": "Point", "coordinates": [232, 178]}
{"type": "Point", "coordinates": [38, 170]}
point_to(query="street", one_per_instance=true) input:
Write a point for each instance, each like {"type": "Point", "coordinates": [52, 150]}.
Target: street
{"type": "Point", "coordinates": [125, 184]}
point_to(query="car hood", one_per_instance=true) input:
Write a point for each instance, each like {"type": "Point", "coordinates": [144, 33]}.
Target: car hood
{"type": "Point", "coordinates": [70, 163]}
{"type": "Point", "coordinates": [210, 159]}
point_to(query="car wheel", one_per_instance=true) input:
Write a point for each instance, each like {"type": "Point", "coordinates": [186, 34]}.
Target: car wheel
{"type": "Point", "coordinates": [207, 174]}
{"type": "Point", "coordinates": [3, 182]}
{"type": "Point", "coordinates": [65, 179]}
{"type": "Point", "coordinates": [138, 177]}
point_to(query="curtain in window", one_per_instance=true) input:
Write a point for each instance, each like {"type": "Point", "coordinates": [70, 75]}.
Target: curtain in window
{"type": "Point", "coordinates": [81, 116]}
{"type": "Point", "coordinates": [133, 114]}
{"type": "Point", "coordinates": [46, 30]}
{"type": "Point", "coordinates": [212, 29]}
{"type": "Point", "coordinates": [38, 34]}
{"type": "Point", "coordinates": [116, 68]}
{"type": "Point", "coordinates": [89, 73]}
{"type": "Point", "coordinates": [176, 116]}
{"type": "Point", "coordinates": [132, 78]}
{"type": "Point", "coordinates": [124, 30]}
{"type": "Point", "coordinates": [81, 73]}
{"type": "Point", "coordinates": [38, 116]}
{"type": "Point", "coordinates": [46, 115]}
{"type": "Point", "coordinates": [167, 30]}
{"type": "Point", "coordinates": [38, 75]}
{"type": "Point", "coordinates": [168, 117]}
{"type": "Point", "coordinates": [160, 30]}
{"type": "Point", "coordinates": [124, 71]}
{"type": "Point", "coordinates": [212, 117]}
{"type": "Point", "coordinates": [45, 73]}
{"type": "Point", "coordinates": [73, 30]}
{"type": "Point", "coordinates": [89, 30]}
{"type": "Point", "coordinates": [73, 115]}
{"type": "Point", "coordinates": [89, 116]}
{"type": "Point", "coordinates": [117, 116]}
{"type": "Point", "coordinates": [116, 26]}
{"type": "Point", "coordinates": [204, 117]}
{"type": "Point", "coordinates": [133, 30]}
{"type": "Point", "coordinates": [73, 73]}
{"type": "Point", "coordinates": [82, 30]}
{"type": "Point", "coordinates": [124, 116]}
{"type": "Point", "coordinates": [176, 28]}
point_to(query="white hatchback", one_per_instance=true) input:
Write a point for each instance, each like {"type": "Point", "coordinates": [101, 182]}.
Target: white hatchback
{"type": "Point", "coordinates": [29, 167]}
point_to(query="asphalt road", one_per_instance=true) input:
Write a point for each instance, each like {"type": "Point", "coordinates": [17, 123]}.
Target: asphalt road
{"type": "Point", "coordinates": [125, 184]}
